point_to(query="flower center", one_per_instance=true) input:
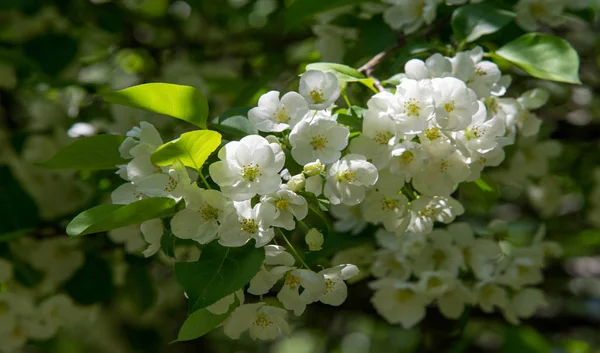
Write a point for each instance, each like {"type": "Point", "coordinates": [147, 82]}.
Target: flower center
{"type": "Point", "coordinates": [207, 212]}
{"type": "Point", "coordinates": [18, 332]}
{"type": "Point", "coordinates": [434, 282]}
{"type": "Point", "coordinates": [318, 142]}
{"type": "Point", "coordinates": [411, 107]}
{"type": "Point", "coordinates": [443, 166]}
{"type": "Point", "coordinates": [292, 281]}
{"type": "Point", "coordinates": [427, 212]}
{"type": "Point", "coordinates": [450, 106]}
{"type": "Point", "coordinates": [282, 204]}
{"type": "Point", "coordinates": [383, 137]}
{"type": "Point", "coordinates": [262, 320]}
{"type": "Point", "coordinates": [171, 184]}
{"type": "Point", "coordinates": [389, 204]}
{"type": "Point", "coordinates": [281, 115]}
{"type": "Point", "coordinates": [317, 96]}
{"type": "Point", "coordinates": [250, 172]}
{"type": "Point", "coordinates": [523, 270]}
{"type": "Point", "coordinates": [329, 285]}
{"type": "Point", "coordinates": [433, 133]}
{"type": "Point", "coordinates": [406, 157]}
{"type": "Point", "coordinates": [438, 257]}
{"type": "Point", "coordinates": [404, 295]}
{"type": "Point", "coordinates": [347, 176]}
{"type": "Point", "coordinates": [474, 132]}
{"type": "Point", "coordinates": [249, 226]}
{"type": "Point", "coordinates": [487, 291]}
{"type": "Point", "coordinates": [480, 72]}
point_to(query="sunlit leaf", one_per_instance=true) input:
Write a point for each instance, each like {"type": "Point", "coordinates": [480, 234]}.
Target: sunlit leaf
{"type": "Point", "coordinates": [192, 149]}
{"type": "Point", "coordinates": [88, 153]}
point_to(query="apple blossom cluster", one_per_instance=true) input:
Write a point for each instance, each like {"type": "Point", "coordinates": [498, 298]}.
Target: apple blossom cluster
{"type": "Point", "coordinates": [443, 124]}
{"type": "Point", "coordinates": [453, 268]}
{"type": "Point", "coordinates": [37, 313]}
{"type": "Point", "coordinates": [411, 15]}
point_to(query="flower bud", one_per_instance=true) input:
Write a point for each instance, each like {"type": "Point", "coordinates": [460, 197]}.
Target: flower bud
{"type": "Point", "coordinates": [314, 240]}
{"type": "Point", "coordinates": [313, 168]}
{"type": "Point", "coordinates": [296, 183]}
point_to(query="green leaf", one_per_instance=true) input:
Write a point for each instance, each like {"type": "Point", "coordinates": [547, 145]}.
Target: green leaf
{"type": "Point", "coordinates": [470, 22]}
{"type": "Point", "coordinates": [19, 211]}
{"type": "Point", "coordinates": [181, 102]}
{"type": "Point", "coordinates": [525, 339]}
{"type": "Point", "coordinates": [139, 287]}
{"type": "Point", "coordinates": [92, 283]}
{"type": "Point", "coordinates": [344, 73]}
{"type": "Point", "coordinates": [219, 272]}
{"type": "Point", "coordinates": [167, 243]}
{"type": "Point", "coordinates": [202, 321]}
{"type": "Point", "coordinates": [543, 56]}
{"type": "Point", "coordinates": [300, 10]}
{"type": "Point", "coordinates": [106, 217]}
{"type": "Point", "coordinates": [235, 122]}
{"type": "Point", "coordinates": [352, 117]}
{"type": "Point", "coordinates": [192, 149]}
{"type": "Point", "coordinates": [88, 153]}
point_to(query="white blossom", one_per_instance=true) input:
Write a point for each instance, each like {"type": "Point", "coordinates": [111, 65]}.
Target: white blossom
{"type": "Point", "coordinates": [410, 15]}
{"type": "Point", "coordinates": [399, 302]}
{"type": "Point", "coordinates": [335, 288]}
{"type": "Point", "coordinates": [275, 115]}
{"type": "Point", "coordinates": [321, 139]}
{"type": "Point", "coordinates": [348, 178]}
{"type": "Point", "coordinates": [248, 167]}
{"type": "Point", "coordinates": [262, 321]}
{"type": "Point", "coordinates": [248, 223]}
{"type": "Point", "coordinates": [320, 89]}
{"type": "Point", "coordinates": [288, 205]}
{"type": "Point", "coordinates": [314, 239]}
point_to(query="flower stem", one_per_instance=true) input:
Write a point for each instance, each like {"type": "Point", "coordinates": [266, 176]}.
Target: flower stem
{"type": "Point", "coordinates": [204, 180]}
{"type": "Point", "coordinates": [292, 249]}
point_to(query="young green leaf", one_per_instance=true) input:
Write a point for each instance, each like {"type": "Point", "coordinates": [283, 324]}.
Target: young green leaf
{"type": "Point", "coordinates": [181, 102]}
{"type": "Point", "coordinates": [192, 149]}
{"type": "Point", "coordinates": [235, 122]}
{"type": "Point", "coordinates": [88, 153]}
{"type": "Point", "coordinates": [470, 22]}
{"type": "Point", "coordinates": [344, 73]}
{"type": "Point", "coordinates": [106, 217]}
{"type": "Point", "coordinates": [543, 56]}
{"type": "Point", "coordinates": [202, 321]}
{"type": "Point", "coordinates": [219, 272]}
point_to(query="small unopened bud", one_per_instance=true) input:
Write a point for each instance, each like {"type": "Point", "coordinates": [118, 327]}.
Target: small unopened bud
{"type": "Point", "coordinates": [314, 240]}
{"type": "Point", "coordinates": [296, 183]}
{"type": "Point", "coordinates": [313, 168]}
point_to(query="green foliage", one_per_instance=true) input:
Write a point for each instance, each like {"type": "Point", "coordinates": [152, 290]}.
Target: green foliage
{"type": "Point", "coordinates": [543, 56]}
{"type": "Point", "coordinates": [181, 102]}
{"type": "Point", "coordinates": [167, 243]}
{"type": "Point", "coordinates": [192, 149]}
{"type": "Point", "coordinates": [106, 217]}
{"type": "Point", "coordinates": [234, 122]}
{"type": "Point", "coordinates": [92, 283]}
{"type": "Point", "coordinates": [479, 196]}
{"type": "Point", "coordinates": [202, 321]}
{"type": "Point", "coordinates": [219, 272]}
{"type": "Point", "coordinates": [18, 211]}
{"type": "Point", "coordinates": [344, 73]}
{"type": "Point", "coordinates": [51, 52]}
{"type": "Point", "coordinates": [353, 117]}
{"type": "Point", "coordinates": [525, 340]}
{"type": "Point", "coordinates": [88, 153]}
{"type": "Point", "coordinates": [470, 22]}
{"type": "Point", "coordinates": [139, 287]}
{"type": "Point", "coordinates": [300, 10]}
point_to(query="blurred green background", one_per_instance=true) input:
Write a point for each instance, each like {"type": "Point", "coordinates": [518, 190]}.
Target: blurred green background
{"type": "Point", "coordinates": [56, 55]}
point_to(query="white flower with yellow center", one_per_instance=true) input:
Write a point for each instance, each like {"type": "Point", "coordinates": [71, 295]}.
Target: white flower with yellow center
{"type": "Point", "coordinates": [248, 167]}
{"type": "Point", "coordinates": [440, 255]}
{"type": "Point", "coordinates": [348, 179]}
{"type": "Point", "coordinates": [262, 321]}
{"type": "Point", "coordinates": [313, 284]}
{"type": "Point", "coordinates": [321, 139]}
{"type": "Point", "coordinates": [407, 160]}
{"type": "Point", "coordinates": [441, 176]}
{"type": "Point", "coordinates": [532, 12]}
{"type": "Point", "coordinates": [140, 140]}
{"type": "Point", "coordinates": [436, 283]}
{"type": "Point", "coordinates": [482, 135]}
{"type": "Point", "coordinates": [435, 66]}
{"type": "Point", "coordinates": [377, 138]}
{"type": "Point", "coordinates": [277, 262]}
{"type": "Point", "coordinates": [320, 89]}
{"type": "Point", "coordinates": [288, 205]}
{"type": "Point", "coordinates": [480, 255]}
{"type": "Point", "coordinates": [173, 183]}
{"type": "Point", "coordinates": [455, 103]}
{"type": "Point", "coordinates": [490, 295]}
{"type": "Point", "coordinates": [454, 300]}
{"type": "Point", "coordinates": [399, 302]}
{"type": "Point", "coordinates": [524, 304]}
{"type": "Point", "coordinates": [410, 15]}
{"type": "Point", "coordinates": [483, 77]}
{"type": "Point", "coordinates": [274, 115]}
{"type": "Point", "coordinates": [427, 210]}
{"type": "Point", "coordinates": [248, 223]}
{"type": "Point", "coordinates": [335, 292]}
{"type": "Point", "coordinates": [387, 209]}
{"type": "Point", "coordinates": [205, 210]}
{"type": "Point", "coordinates": [411, 107]}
